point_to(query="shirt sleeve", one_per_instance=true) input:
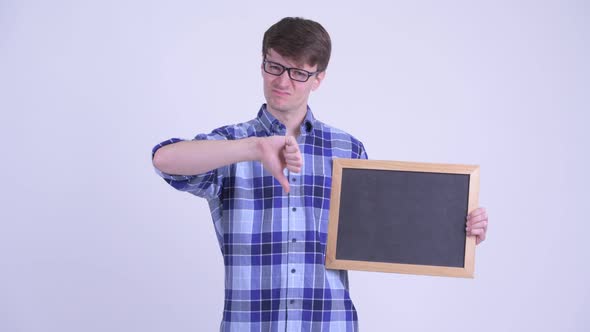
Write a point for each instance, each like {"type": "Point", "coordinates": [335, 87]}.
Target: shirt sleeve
{"type": "Point", "coordinates": [362, 151]}
{"type": "Point", "coordinates": [358, 149]}
{"type": "Point", "coordinates": [207, 185]}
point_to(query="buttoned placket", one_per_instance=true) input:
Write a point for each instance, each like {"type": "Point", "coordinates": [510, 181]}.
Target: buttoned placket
{"type": "Point", "coordinates": [296, 223]}
{"type": "Point", "coordinates": [291, 283]}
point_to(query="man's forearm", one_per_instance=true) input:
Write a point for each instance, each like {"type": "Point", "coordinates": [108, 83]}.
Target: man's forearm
{"type": "Point", "coordinates": [197, 157]}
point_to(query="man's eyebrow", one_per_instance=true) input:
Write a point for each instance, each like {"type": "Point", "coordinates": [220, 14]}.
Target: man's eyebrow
{"type": "Point", "coordinates": [296, 66]}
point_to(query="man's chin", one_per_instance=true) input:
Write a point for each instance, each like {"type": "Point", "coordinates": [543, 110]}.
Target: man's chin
{"type": "Point", "coordinates": [278, 107]}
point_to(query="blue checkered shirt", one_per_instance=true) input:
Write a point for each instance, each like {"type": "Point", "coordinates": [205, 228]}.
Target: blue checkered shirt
{"type": "Point", "coordinates": [274, 244]}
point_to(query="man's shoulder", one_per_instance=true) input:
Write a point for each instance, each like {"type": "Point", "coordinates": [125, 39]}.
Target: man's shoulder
{"type": "Point", "coordinates": [325, 129]}
{"type": "Point", "coordinates": [240, 130]}
{"type": "Point", "coordinates": [340, 140]}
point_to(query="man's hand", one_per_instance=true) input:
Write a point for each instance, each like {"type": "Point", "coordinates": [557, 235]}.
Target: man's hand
{"type": "Point", "coordinates": [477, 224]}
{"type": "Point", "coordinates": [278, 153]}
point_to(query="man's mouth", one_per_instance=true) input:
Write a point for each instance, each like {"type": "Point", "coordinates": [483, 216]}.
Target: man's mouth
{"type": "Point", "coordinates": [280, 92]}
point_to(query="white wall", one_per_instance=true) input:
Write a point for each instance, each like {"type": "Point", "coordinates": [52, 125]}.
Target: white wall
{"type": "Point", "coordinates": [92, 240]}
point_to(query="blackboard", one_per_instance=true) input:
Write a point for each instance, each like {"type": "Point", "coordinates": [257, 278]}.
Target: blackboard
{"type": "Point", "coordinates": [402, 217]}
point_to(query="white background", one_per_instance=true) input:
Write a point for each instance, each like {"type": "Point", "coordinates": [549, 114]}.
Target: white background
{"type": "Point", "coordinates": [92, 240]}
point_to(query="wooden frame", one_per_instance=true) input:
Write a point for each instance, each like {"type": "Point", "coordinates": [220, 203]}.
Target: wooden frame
{"type": "Point", "coordinates": [333, 263]}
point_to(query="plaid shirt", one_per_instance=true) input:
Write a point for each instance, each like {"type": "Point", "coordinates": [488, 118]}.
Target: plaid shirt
{"type": "Point", "coordinates": [274, 244]}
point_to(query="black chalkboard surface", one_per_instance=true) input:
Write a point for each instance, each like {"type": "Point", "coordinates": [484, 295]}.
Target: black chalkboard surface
{"type": "Point", "coordinates": [402, 217]}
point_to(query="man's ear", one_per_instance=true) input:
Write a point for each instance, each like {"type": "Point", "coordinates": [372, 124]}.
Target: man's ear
{"type": "Point", "coordinates": [317, 80]}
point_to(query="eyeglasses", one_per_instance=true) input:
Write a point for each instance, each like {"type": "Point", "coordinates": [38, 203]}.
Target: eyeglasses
{"type": "Point", "coordinates": [295, 74]}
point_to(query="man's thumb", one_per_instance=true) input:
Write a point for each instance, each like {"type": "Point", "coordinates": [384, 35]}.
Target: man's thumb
{"type": "Point", "coordinates": [283, 181]}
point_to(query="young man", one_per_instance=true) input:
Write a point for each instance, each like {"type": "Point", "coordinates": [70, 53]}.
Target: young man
{"type": "Point", "coordinates": [268, 184]}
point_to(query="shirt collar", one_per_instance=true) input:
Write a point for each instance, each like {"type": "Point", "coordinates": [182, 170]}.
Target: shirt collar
{"type": "Point", "coordinates": [272, 126]}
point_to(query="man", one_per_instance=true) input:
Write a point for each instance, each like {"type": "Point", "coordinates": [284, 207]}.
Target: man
{"type": "Point", "coordinates": [268, 184]}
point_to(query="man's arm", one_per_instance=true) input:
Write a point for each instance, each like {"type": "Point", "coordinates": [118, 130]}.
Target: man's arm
{"type": "Point", "coordinates": [196, 157]}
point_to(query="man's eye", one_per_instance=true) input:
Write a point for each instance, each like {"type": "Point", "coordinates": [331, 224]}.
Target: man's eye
{"type": "Point", "coordinates": [299, 74]}
{"type": "Point", "coordinates": [275, 67]}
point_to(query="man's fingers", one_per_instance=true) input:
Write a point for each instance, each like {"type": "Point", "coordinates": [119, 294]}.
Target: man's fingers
{"type": "Point", "coordinates": [477, 224]}
{"type": "Point", "coordinates": [477, 216]}
{"type": "Point", "coordinates": [292, 155]}
{"type": "Point", "coordinates": [476, 231]}
{"type": "Point", "coordinates": [294, 169]}
{"type": "Point", "coordinates": [476, 220]}
{"type": "Point", "coordinates": [481, 224]}
{"type": "Point", "coordinates": [291, 145]}
{"type": "Point", "coordinates": [478, 213]}
{"type": "Point", "coordinates": [478, 237]}
{"type": "Point", "coordinates": [290, 141]}
{"type": "Point", "coordinates": [292, 148]}
{"type": "Point", "coordinates": [293, 162]}
{"type": "Point", "coordinates": [293, 158]}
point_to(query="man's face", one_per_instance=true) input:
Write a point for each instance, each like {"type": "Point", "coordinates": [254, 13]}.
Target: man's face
{"type": "Point", "coordinates": [284, 94]}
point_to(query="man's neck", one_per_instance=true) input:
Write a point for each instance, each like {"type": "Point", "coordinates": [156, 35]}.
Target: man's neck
{"type": "Point", "coordinates": [291, 119]}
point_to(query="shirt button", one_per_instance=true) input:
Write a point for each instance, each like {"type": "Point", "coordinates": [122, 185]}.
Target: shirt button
{"type": "Point", "coordinates": [293, 179]}
{"type": "Point", "coordinates": [292, 270]}
{"type": "Point", "coordinates": [292, 301]}
{"type": "Point", "coordinates": [294, 240]}
{"type": "Point", "coordinates": [294, 209]}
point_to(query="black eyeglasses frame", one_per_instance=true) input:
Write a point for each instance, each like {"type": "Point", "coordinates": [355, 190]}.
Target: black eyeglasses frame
{"type": "Point", "coordinates": [308, 73]}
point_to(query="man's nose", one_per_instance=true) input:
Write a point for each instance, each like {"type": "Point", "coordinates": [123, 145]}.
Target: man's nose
{"type": "Point", "coordinates": [283, 79]}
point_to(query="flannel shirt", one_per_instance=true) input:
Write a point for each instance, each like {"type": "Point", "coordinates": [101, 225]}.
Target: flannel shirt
{"type": "Point", "coordinates": [273, 244]}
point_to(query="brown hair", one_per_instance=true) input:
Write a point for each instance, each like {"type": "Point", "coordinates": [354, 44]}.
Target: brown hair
{"type": "Point", "coordinates": [302, 40]}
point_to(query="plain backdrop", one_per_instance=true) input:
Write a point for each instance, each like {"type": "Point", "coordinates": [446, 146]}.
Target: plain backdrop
{"type": "Point", "coordinates": [92, 240]}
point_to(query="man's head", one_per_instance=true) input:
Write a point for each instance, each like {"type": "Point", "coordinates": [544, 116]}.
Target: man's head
{"type": "Point", "coordinates": [303, 41]}
{"type": "Point", "coordinates": [295, 54]}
